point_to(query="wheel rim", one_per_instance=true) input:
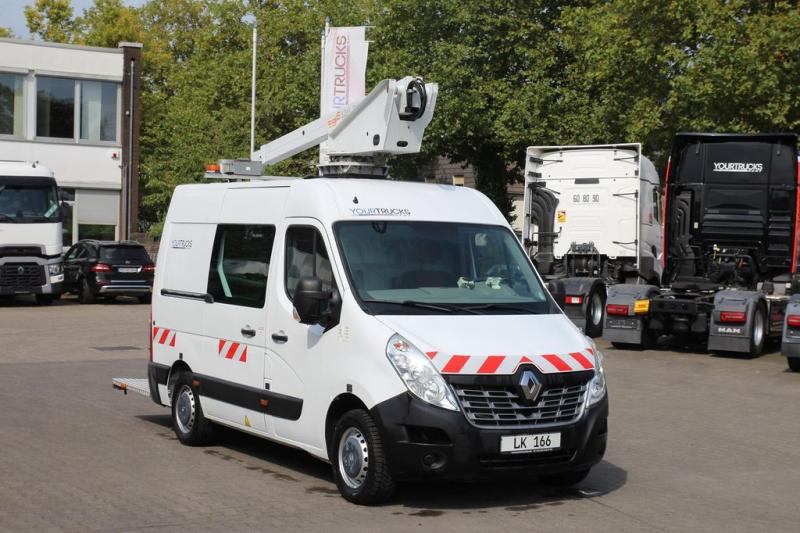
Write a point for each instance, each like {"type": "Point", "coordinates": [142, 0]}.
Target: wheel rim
{"type": "Point", "coordinates": [758, 329]}
{"type": "Point", "coordinates": [185, 409]}
{"type": "Point", "coordinates": [353, 458]}
{"type": "Point", "coordinates": [597, 309]}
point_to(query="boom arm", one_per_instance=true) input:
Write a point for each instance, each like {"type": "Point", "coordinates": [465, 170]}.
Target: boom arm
{"type": "Point", "coordinates": [390, 120]}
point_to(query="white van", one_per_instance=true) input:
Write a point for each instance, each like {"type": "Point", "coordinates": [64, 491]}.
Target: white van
{"type": "Point", "coordinates": [395, 329]}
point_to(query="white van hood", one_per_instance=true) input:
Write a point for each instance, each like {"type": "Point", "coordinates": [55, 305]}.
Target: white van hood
{"type": "Point", "coordinates": [46, 236]}
{"type": "Point", "coordinates": [496, 344]}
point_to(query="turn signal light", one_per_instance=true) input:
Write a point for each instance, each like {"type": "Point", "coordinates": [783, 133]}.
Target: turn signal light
{"type": "Point", "coordinates": [616, 309]}
{"type": "Point", "coordinates": [793, 321]}
{"type": "Point", "coordinates": [149, 268]}
{"type": "Point", "coordinates": [573, 300]}
{"type": "Point", "coordinates": [641, 306]}
{"type": "Point", "coordinates": [732, 317]}
{"type": "Point", "coordinates": [100, 267]}
{"type": "Point", "coordinates": [212, 167]}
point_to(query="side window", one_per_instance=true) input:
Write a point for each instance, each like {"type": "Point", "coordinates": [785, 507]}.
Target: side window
{"type": "Point", "coordinates": [73, 252]}
{"type": "Point", "coordinates": [239, 265]}
{"type": "Point", "coordinates": [656, 205]}
{"type": "Point", "coordinates": [306, 255]}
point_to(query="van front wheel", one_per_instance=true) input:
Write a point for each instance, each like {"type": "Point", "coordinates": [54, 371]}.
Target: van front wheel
{"type": "Point", "coordinates": [359, 460]}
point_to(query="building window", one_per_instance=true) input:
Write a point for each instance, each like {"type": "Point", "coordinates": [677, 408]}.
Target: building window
{"type": "Point", "coordinates": [55, 107]}
{"type": "Point", "coordinates": [11, 104]}
{"type": "Point", "coordinates": [100, 232]}
{"type": "Point", "coordinates": [98, 111]}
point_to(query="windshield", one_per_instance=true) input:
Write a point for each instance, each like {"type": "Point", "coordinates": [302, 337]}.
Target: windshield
{"type": "Point", "coordinates": [432, 267]}
{"type": "Point", "coordinates": [24, 203]}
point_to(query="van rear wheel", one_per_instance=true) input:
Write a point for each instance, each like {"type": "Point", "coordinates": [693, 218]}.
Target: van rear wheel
{"type": "Point", "coordinates": [359, 460]}
{"type": "Point", "coordinates": [191, 427]}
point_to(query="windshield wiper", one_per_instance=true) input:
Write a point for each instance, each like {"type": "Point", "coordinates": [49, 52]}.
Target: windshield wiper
{"type": "Point", "coordinates": [501, 307]}
{"type": "Point", "coordinates": [443, 308]}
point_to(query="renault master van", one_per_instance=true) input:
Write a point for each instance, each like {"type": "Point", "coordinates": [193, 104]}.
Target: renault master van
{"type": "Point", "coordinates": [397, 330]}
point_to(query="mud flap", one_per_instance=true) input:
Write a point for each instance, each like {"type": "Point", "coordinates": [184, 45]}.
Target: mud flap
{"type": "Point", "coordinates": [630, 328]}
{"type": "Point", "coordinates": [561, 288]}
{"type": "Point", "coordinates": [732, 337]}
{"type": "Point", "coordinates": [790, 341]}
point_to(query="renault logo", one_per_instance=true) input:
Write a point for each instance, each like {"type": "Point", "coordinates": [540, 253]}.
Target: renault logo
{"type": "Point", "coordinates": [20, 270]}
{"type": "Point", "coordinates": [530, 385]}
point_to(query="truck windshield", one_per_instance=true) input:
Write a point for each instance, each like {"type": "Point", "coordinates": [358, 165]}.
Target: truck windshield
{"type": "Point", "coordinates": [24, 203]}
{"type": "Point", "coordinates": [434, 268]}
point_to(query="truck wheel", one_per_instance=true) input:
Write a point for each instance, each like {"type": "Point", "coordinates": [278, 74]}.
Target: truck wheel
{"type": "Point", "coordinates": [359, 460]}
{"type": "Point", "coordinates": [594, 313]}
{"type": "Point", "coordinates": [44, 299]}
{"type": "Point", "coordinates": [567, 479]}
{"type": "Point", "coordinates": [759, 333]}
{"type": "Point", "coordinates": [191, 427]}
{"type": "Point", "coordinates": [86, 296]}
{"type": "Point", "coordinates": [794, 363]}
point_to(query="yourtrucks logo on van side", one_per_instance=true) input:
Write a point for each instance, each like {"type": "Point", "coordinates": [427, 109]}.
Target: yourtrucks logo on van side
{"type": "Point", "coordinates": [739, 167]}
{"type": "Point", "coordinates": [381, 211]}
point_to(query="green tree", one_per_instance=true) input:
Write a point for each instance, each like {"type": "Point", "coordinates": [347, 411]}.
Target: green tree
{"type": "Point", "coordinates": [109, 22]}
{"type": "Point", "coordinates": [6, 32]}
{"type": "Point", "coordinates": [51, 20]}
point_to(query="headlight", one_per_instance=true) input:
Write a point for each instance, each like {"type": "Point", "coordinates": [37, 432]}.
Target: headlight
{"type": "Point", "coordinates": [55, 268]}
{"type": "Point", "coordinates": [597, 387]}
{"type": "Point", "coordinates": [419, 374]}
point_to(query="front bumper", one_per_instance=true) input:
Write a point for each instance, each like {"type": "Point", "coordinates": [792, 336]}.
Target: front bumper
{"type": "Point", "coordinates": [46, 283]}
{"type": "Point", "coordinates": [427, 442]}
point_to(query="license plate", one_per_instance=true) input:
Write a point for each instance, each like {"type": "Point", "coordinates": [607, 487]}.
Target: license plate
{"type": "Point", "coordinates": [530, 443]}
{"type": "Point", "coordinates": [128, 270]}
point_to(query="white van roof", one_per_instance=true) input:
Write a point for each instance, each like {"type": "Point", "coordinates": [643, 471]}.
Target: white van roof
{"type": "Point", "coordinates": [333, 199]}
{"type": "Point", "coordinates": [24, 168]}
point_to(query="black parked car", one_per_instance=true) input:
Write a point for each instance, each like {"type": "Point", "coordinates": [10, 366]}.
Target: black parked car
{"type": "Point", "coordinates": [108, 268]}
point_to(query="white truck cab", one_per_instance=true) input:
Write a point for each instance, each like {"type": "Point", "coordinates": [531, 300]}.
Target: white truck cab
{"type": "Point", "coordinates": [395, 329]}
{"type": "Point", "coordinates": [30, 232]}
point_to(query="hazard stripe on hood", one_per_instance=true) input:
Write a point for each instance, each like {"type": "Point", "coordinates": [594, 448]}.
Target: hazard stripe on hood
{"type": "Point", "coordinates": [508, 364]}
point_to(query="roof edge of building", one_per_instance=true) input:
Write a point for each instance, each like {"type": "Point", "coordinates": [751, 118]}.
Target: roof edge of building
{"type": "Point", "coordinates": [32, 42]}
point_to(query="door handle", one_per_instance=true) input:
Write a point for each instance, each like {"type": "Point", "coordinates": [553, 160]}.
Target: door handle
{"type": "Point", "coordinates": [279, 337]}
{"type": "Point", "coordinates": [247, 331]}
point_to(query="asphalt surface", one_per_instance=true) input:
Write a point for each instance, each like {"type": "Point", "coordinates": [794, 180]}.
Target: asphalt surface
{"type": "Point", "coordinates": [696, 443]}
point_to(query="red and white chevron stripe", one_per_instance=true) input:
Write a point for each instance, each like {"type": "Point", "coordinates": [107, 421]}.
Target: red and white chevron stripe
{"type": "Point", "coordinates": [508, 364]}
{"type": "Point", "coordinates": [164, 336]}
{"type": "Point", "coordinates": [232, 350]}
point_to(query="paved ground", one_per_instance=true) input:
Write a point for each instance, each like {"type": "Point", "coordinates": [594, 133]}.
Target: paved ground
{"type": "Point", "coordinates": [697, 443]}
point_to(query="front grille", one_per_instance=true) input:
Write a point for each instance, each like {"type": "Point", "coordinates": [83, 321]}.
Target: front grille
{"type": "Point", "coordinates": [495, 406]}
{"type": "Point", "coordinates": [21, 275]}
{"type": "Point", "coordinates": [524, 460]}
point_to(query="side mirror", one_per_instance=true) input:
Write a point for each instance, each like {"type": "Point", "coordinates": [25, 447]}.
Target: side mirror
{"type": "Point", "coordinates": [308, 298]}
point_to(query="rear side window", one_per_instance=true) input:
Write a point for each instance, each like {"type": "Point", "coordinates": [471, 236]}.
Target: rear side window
{"type": "Point", "coordinates": [306, 256]}
{"type": "Point", "coordinates": [134, 254]}
{"type": "Point", "coordinates": [240, 263]}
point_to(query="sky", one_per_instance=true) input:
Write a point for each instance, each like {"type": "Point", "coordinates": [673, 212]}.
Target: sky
{"type": "Point", "coordinates": [12, 13]}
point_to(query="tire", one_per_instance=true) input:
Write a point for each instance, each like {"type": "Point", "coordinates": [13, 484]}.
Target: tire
{"type": "Point", "coordinates": [595, 312]}
{"type": "Point", "coordinates": [758, 334]}
{"type": "Point", "coordinates": [566, 479]}
{"type": "Point", "coordinates": [359, 460]}
{"type": "Point", "coordinates": [86, 295]}
{"type": "Point", "coordinates": [190, 425]}
{"type": "Point", "coordinates": [44, 299]}
{"type": "Point", "coordinates": [794, 363]}
{"type": "Point", "coordinates": [145, 299]}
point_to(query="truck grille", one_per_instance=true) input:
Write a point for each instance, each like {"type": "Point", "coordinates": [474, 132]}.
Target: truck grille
{"type": "Point", "coordinates": [21, 275]}
{"type": "Point", "coordinates": [493, 406]}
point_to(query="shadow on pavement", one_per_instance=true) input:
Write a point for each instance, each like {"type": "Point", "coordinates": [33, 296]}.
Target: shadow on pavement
{"type": "Point", "coordinates": [424, 498]}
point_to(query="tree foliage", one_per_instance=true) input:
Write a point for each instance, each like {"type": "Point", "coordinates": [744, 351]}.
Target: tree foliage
{"type": "Point", "coordinates": [511, 74]}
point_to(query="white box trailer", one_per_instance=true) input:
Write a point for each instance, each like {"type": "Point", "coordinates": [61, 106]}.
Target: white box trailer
{"type": "Point", "coordinates": [592, 218]}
